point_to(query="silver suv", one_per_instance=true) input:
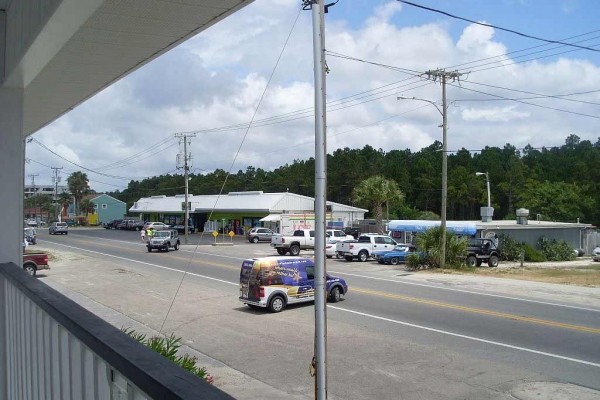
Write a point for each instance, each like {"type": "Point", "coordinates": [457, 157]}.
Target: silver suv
{"type": "Point", "coordinates": [256, 235]}
{"type": "Point", "coordinates": [58, 227]}
{"type": "Point", "coordinates": [164, 240]}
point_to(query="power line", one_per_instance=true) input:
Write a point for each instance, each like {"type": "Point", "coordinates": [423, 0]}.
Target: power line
{"type": "Point", "coordinates": [496, 27]}
{"type": "Point", "coordinates": [528, 103]}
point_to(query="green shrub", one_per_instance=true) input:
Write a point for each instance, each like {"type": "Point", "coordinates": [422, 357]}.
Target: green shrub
{"type": "Point", "coordinates": [168, 347]}
{"type": "Point", "coordinates": [556, 250]}
{"type": "Point", "coordinates": [415, 261]}
{"type": "Point", "coordinates": [532, 254]}
{"type": "Point", "coordinates": [510, 249]}
{"type": "Point", "coordinates": [429, 243]}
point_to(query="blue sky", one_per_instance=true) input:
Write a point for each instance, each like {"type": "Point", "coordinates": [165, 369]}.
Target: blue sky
{"type": "Point", "coordinates": [214, 82]}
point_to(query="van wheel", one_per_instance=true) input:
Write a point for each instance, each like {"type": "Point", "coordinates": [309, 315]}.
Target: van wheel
{"type": "Point", "coordinates": [294, 250]}
{"type": "Point", "coordinates": [281, 251]}
{"type": "Point", "coordinates": [335, 294]}
{"type": "Point", "coordinates": [176, 247]}
{"type": "Point", "coordinates": [30, 269]}
{"type": "Point", "coordinates": [149, 249]}
{"type": "Point", "coordinates": [255, 239]}
{"type": "Point", "coordinates": [363, 255]}
{"type": "Point", "coordinates": [277, 304]}
{"type": "Point", "coordinates": [338, 255]}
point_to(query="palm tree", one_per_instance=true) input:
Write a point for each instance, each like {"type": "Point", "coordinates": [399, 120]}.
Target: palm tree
{"type": "Point", "coordinates": [64, 200]}
{"type": "Point", "coordinates": [79, 186]}
{"type": "Point", "coordinates": [87, 206]}
{"type": "Point", "coordinates": [376, 192]}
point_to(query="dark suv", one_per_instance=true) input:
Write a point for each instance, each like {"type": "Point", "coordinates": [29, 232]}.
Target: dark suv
{"type": "Point", "coordinates": [256, 235]}
{"type": "Point", "coordinates": [480, 250]}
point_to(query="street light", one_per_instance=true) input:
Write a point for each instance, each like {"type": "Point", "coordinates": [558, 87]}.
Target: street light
{"type": "Point", "coordinates": [444, 127]}
{"type": "Point", "coordinates": [487, 181]}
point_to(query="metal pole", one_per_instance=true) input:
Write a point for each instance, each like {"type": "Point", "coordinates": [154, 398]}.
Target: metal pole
{"type": "Point", "coordinates": [185, 177]}
{"type": "Point", "coordinates": [320, 200]}
{"type": "Point", "coordinates": [444, 173]}
{"type": "Point", "coordinates": [487, 181]}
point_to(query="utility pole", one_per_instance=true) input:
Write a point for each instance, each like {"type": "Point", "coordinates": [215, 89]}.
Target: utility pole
{"type": "Point", "coordinates": [319, 362]}
{"type": "Point", "coordinates": [443, 76]}
{"type": "Point", "coordinates": [56, 180]}
{"type": "Point", "coordinates": [186, 159]}
{"type": "Point", "coordinates": [34, 194]}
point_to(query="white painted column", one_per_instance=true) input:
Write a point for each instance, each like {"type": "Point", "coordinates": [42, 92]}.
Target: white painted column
{"type": "Point", "coordinates": [12, 173]}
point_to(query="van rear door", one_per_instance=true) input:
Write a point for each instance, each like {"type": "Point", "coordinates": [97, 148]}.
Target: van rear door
{"type": "Point", "coordinates": [249, 281]}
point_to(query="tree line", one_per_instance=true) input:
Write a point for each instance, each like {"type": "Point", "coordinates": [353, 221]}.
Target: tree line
{"type": "Point", "coordinates": [559, 183]}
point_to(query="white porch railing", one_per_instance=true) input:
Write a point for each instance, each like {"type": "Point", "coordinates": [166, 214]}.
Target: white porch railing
{"type": "Point", "coordinates": [52, 348]}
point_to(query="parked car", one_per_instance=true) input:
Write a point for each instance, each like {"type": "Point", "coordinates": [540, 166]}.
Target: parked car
{"type": "Point", "coordinates": [32, 223]}
{"type": "Point", "coordinates": [338, 234]}
{"type": "Point", "coordinates": [134, 225]}
{"type": "Point", "coordinates": [275, 282]}
{"type": "Point", "coordinates": [256, 235]}
{"type": "Point", "coordinates": [596, 254]}
{"type": "Point", "coordinates": [164, 240]}
{"type": "Point", "coordinates": [398, 255]}
{"type": "Point", "coordinates": [482, 250]}
{"type": "Point", "coordinates": [58, 227]}
{"type": "Point", "coordinates": [180, 228]}
{"type": "Point", "coordinates": [302, 239]}
{"type": "Point", "coordinates": [364, 246]}
{"type": "Point", "coordinates": [32, 262]}
{"type": "Point", "coordinates": [157, 226]}
{"type": "Point", "coordinates": [399, 247]}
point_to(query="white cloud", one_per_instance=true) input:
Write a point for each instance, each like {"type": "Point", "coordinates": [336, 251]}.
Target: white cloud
{"type": "Point", "coordinates": [493, 114]}
{"type": "Point", "coordinates": [217, 79]}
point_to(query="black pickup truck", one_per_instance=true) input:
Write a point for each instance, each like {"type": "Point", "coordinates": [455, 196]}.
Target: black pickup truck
{"type": "Point", "coordinates": [482, 250]}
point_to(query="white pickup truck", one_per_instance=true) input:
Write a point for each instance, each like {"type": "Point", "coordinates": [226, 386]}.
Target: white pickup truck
{"type": "Point", "coordinates": [301, 239]}
{"type": "Point", "coordinates": [364, 246]}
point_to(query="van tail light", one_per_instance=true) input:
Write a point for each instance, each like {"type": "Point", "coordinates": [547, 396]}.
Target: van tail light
{"type": "Point", "coordinates": [45, 259]}
{"type": "Point", "coordinates": [261, 292]}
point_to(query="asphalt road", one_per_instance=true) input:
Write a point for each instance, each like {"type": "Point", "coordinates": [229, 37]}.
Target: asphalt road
{"type": "Point", "coordinates": [389, 338]}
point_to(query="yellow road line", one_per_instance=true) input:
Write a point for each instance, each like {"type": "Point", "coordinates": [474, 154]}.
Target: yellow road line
{"type": "Point", "coordinates": [479, 311]}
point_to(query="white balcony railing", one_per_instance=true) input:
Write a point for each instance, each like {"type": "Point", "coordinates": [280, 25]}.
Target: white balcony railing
{"type": "Point", "coordinates": [52, 348]}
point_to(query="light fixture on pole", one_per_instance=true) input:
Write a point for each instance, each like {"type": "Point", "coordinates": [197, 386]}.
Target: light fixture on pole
{"type": "Point", "coordinates": [486, 212]}
{"type": "Point", "coordinates": [444, 127]}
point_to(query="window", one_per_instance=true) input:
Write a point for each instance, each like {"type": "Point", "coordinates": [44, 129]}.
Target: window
{"type": "Point", "coordinates": [379, 240]}
{"type": "Point", "coordinates": [95, 206]}
{"type": "Point", "coordinates": [389, 241]}
{"type": "Point", "coordinates": [104, 206]}
{"type": "Point", "coordinates": [310, 273]}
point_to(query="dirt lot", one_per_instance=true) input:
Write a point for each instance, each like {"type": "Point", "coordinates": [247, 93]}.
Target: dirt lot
{"type": "Point", "coordinates": [581, 272]}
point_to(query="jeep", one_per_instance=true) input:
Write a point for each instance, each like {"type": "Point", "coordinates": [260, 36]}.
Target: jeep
{"type": "Point", "coordinates": [164, 240]}
{"type": "Point", "coordinates": [480, 250]}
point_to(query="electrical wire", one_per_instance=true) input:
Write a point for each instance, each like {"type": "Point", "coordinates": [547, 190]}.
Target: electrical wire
{"type": "Point", "coordinates": [496, 27]}
{"type": "Point", "coordinates": [525, 102]}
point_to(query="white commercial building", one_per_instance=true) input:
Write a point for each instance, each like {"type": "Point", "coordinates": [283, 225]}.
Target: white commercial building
{"type": "Point", "coordinates": [240, 211]}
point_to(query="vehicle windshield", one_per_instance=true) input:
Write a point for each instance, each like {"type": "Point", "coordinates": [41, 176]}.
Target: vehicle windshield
{"type": "Point", "coordinates": [162, 234]}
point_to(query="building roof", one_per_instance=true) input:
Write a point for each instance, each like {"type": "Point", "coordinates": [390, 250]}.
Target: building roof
{"type": "Point", "coordinates": [255, 201]}
{"type": "Point", "coordinates": [531, 224]}
{"type": "Point", "coordinates": [98, 196]}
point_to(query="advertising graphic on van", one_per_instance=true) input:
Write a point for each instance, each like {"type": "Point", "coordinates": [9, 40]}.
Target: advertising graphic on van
{"type": "Point", "coordinates": [274, 282]}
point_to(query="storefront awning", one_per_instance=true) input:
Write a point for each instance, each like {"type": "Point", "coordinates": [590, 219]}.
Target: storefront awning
{"type": "Point", "coordinates": [458, 227]}
{"type": "Point", "coordinates": [271, 218]}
